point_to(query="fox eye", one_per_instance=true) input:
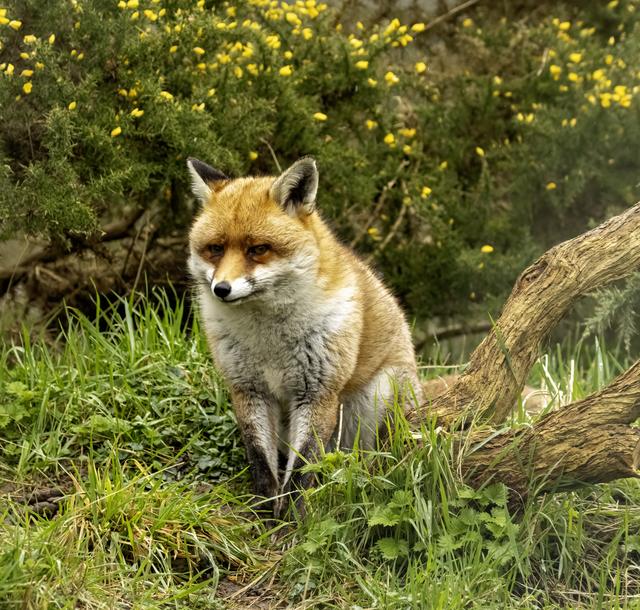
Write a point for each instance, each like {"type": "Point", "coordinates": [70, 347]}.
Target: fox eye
{"type": "Point", "coordinates": [258, 250]}
{"type": "Point", "coordinates": [215, 249]}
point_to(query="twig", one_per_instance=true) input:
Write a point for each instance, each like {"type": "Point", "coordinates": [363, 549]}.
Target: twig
{"type": "Point", "coordinates": [455, 331]}
{"type": "Point", "coordinates": [455, 10]}
{"type": "Point", "coordinates": [147, 235]}
{"type": "Point", "coordinates": [273, 154]}
{"type": "Point", "coordinates": [390, 235]}
{"type": "Point", "coordinates": [383, 195]}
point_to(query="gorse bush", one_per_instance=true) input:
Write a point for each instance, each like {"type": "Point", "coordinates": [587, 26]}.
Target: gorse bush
{"type": "Point", "coordinates": [449, 171]}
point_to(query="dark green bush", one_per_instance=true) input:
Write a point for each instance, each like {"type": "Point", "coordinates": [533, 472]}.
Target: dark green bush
{"type": "Point", "coordinates": [450, 178]}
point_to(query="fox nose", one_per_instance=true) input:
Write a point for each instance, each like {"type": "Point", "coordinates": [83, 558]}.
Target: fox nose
{"type": "Point", "coordinates": [222, 289]}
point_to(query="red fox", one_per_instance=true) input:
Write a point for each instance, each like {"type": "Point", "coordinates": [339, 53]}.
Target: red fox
{"type": "Point", "coordinates": [313, 346]}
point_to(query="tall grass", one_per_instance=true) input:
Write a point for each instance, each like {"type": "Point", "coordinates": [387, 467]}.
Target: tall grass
{"type": "Point", "coordinates": [122, 485]}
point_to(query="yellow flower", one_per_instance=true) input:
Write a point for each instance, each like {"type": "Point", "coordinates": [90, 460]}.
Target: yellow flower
{"type": "Point", "coordinates": [467, 23]}
{"type": "Point", "coordinates": [372, 82]}
{"type": "Point", "coordinates": [15, 24]}
{"type": "Point", "coordinates": [132, 3]}
{"type": "Point", "coordinates": [392, 27]}
{"type": "Point", "coordinates": [362, 65]}
{"type": "Point", "coordinates": [72, 106]}
{"type": "Point", "coordinates": [29, 39]}
{"type": "Point", "coordinates": [288, 55]}
{"type": "Point", "coordinates": [418, 27]}
{"type": "Point", "coordinates": [253, 155]}
{"type": "Point", "coordinates": [443, 165]}
{"type": "Point", "coordinates": [555, 70]}
{"type": "Point", "coordinates": [425, 192]}
{"type": "Point", "coordinates": [421, 67]}
{"type": "Point", "coordinates": [356, 43]}
{"type": "Point", "coordinates": [390, 139]}
{"type": "Point", "coordinates": [597, 74]}
{"type": "Point", "coordinates": [293, 19]}
{"type": "Point", "coordinates": [479, 151]}
{"type": "Point", "coordinates": [486, 249]}
{"type": "Point", "coordinates": [286, 71]}
{"type": "Point", "coordinates": [406, 149]}
{"type": "Point", "coordinates": [573, 77]}
{"type": "Point", "coordinates": [198, 51]}
{"type": "Point", "coordinates": [116, 132]}
{"type": "Point", "coordinates": [406, 132]}
{"type": "Point", "coordinates": [320, 116]}
{"type": "Point", "coordinates": [173, 48]}
{"type": "Point", "coordinates": [9, 69]}
{"type": "Point", "coordinates": [605, 100]}
{"type": "Point", "coordinates": [551, 186]}
{"type": "Point", "coordinates": [564, 26]}
{"type": "Point", "coordinates": [391, 78]}
{"type": "Point", "coordinates": [307, 33]}
{"type": "Point", "coordinates": [198, 107]}
{"type": "Point", "coordinates": [27, 87]}
{"type": "Point", "coordinates": [151, 15]}
{"type": "Point", "coordinates": [371, 124]}
{"type": "Point", "coordinates": [576, 58]}
{"type": "Point", "coordinates": [136, 113]}
{"type": "Point", "coordinates": [625, 102]}
{"type": "Point", "coordinates": [166, 95]}
{"type": "Point", "coordinates": [273, 41]}
{"type": "Point", "coordinates": [26, 73]}
{"type": "Point", "coordinates": [52, 38]}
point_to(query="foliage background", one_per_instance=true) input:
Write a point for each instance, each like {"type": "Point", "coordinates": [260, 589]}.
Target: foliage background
{"type": "Point", "coordinates": [450, 158]}
{"type": "Point", "coordinates": [450, 155]}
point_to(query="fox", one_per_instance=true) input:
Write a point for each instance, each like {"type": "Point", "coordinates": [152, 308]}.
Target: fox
{"type": "Point", "coordinates": [313, 346]}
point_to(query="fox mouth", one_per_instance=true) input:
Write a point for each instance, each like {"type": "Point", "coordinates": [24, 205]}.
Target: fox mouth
{"type": "Point", "coordinates": [242, 299]}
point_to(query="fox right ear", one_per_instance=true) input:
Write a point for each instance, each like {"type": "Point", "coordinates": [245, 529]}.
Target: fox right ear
{"type": "Point", "coordinates": [202, 175]}
{"type": "Point", "coordinates": [295, 189]}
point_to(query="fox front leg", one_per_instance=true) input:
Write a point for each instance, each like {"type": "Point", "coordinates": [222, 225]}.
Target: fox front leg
{"type": "Point", "coordinates": [254, 413]}
{"type": "Point", "coordinates": [312, 424]}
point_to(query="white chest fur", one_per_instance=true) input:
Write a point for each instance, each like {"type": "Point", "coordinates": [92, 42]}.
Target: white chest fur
{"type": "Point", "coordinates": [281, 350]}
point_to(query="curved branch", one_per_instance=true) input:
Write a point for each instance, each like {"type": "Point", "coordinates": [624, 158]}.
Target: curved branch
{"type": "Point", "coordinates": [541, 297]}
{"type": "Point", "coordinates": [588, 441]}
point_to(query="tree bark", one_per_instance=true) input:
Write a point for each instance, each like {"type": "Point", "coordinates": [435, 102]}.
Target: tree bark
{"type": "Point", "coordinates": [542, 295]}
{"type": "Point", "coordinates": [590, 440]}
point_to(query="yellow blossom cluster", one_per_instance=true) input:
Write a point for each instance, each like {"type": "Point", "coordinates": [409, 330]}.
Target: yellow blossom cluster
{"type": "Point", "coordinates": [242, 41]}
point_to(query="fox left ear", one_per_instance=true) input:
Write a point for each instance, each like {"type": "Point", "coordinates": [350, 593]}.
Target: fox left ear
{"type": "Point", "coordinates": [295, 189]}
{"type": "Point", "coordinates": [202, 178]}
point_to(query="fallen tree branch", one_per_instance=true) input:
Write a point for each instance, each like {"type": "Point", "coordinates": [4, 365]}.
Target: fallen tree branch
{"type": "Point", "coordinates": [587, 441]}
{"type": "Point", "coordinates": [541, 297]}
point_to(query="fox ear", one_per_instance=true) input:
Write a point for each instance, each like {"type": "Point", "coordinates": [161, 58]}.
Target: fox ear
{"type": "Point", "coordinates": [202, 175]}
{"type": "Point", "coordinates": [295, 189]}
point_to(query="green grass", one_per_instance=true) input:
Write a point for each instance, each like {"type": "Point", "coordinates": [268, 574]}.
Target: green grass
{"type": "Point", "coordinates": [124, 418]}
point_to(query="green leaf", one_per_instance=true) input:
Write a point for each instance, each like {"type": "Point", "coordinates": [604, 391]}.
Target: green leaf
{"type": "Point", "coordinates": [390, 548]}
{"type": "Point", "coordinates": [383, 515]}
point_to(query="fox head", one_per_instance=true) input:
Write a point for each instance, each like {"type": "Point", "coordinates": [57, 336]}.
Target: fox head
{"type": "Point", "coordinates": [254, 237]}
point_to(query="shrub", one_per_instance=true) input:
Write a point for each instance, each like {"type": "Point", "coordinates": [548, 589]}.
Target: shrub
{"type": "Point", "coordinates": [450, 180]}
